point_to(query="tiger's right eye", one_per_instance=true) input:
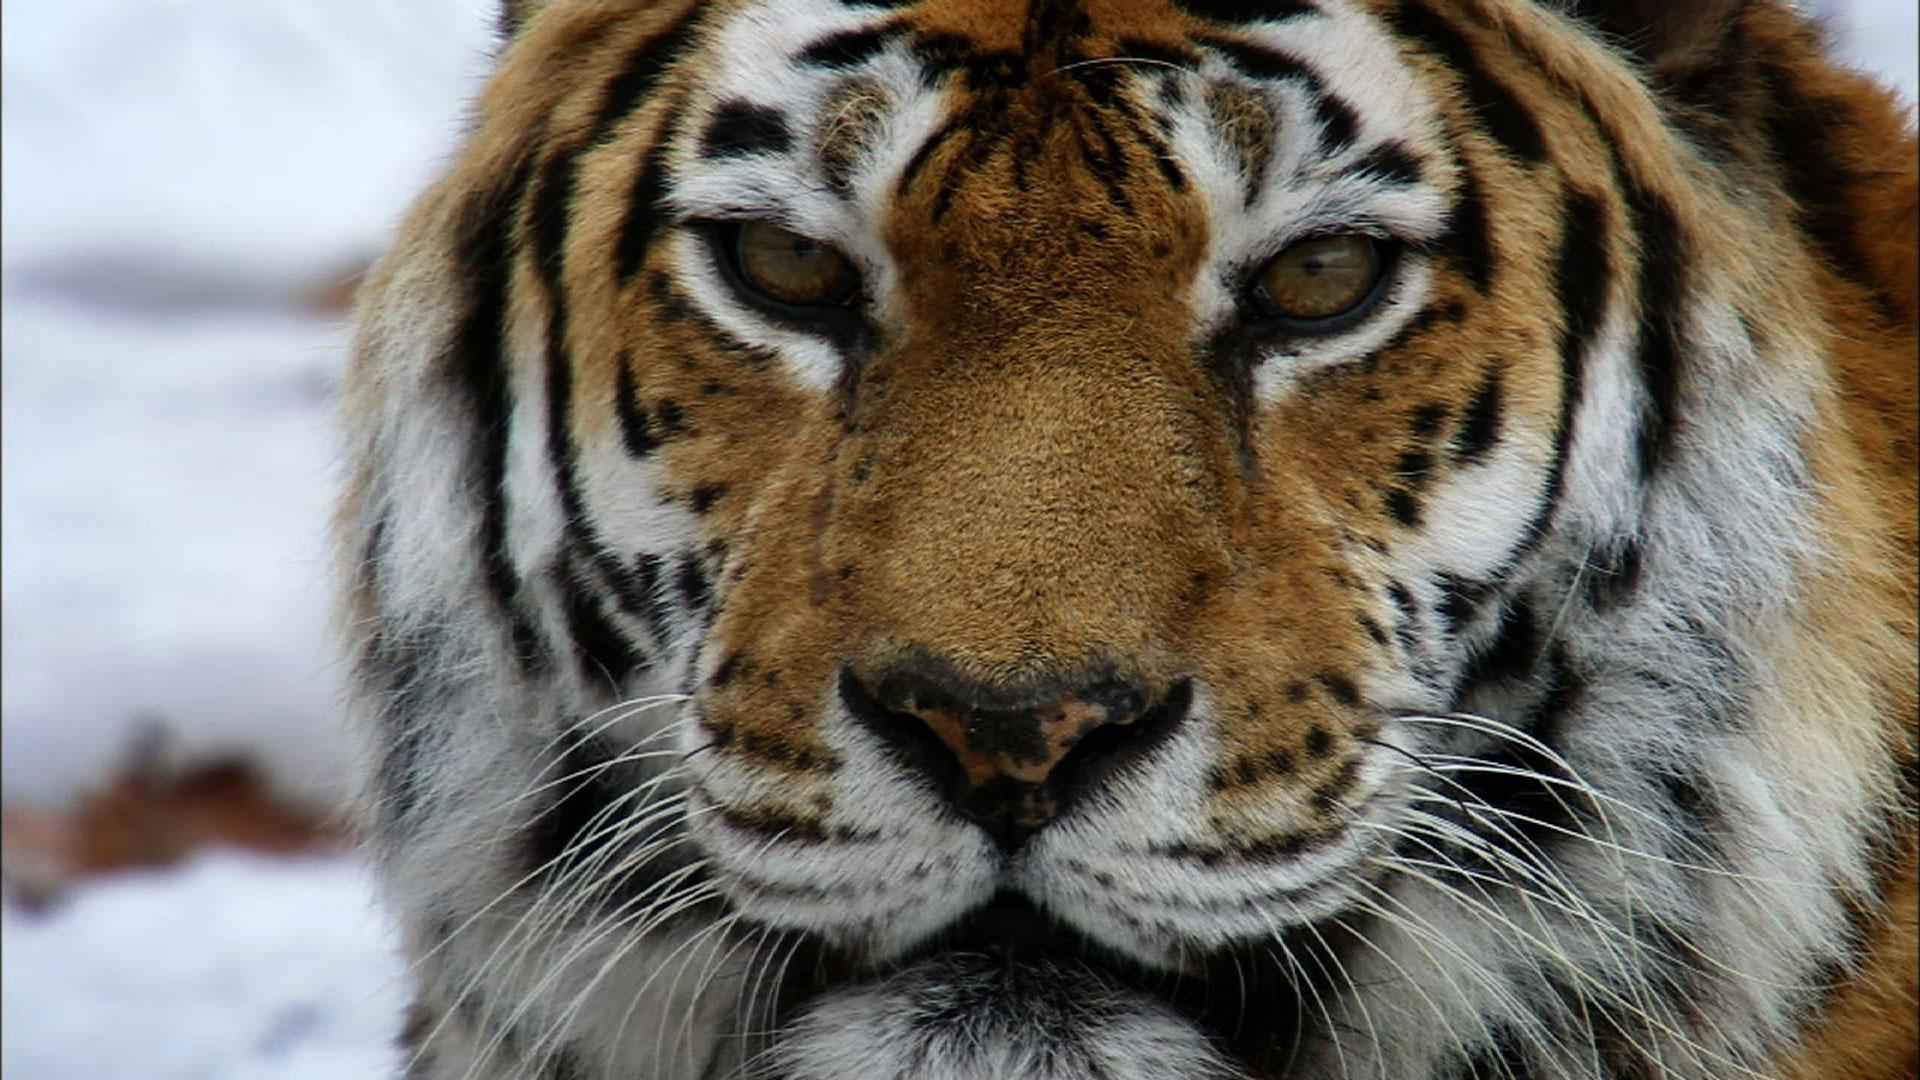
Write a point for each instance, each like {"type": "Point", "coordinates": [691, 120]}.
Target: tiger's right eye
{"type": "Point", "coordinates": [1320, 279]}
{"type": "Point", "coordinates": [788, 269]}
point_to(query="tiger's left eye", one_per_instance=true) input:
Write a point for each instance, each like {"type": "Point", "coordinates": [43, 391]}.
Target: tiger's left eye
{"type": "Point", "coordinates": [782, 266]}
{"type": "Point", "coordinates": [1321, 278]}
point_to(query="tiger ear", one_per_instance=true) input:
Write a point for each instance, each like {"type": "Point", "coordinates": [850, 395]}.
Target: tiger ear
{"type": "Point", "coordinates": [1664, 34]}
{"type": "Point", "coordinates": [515, 13]}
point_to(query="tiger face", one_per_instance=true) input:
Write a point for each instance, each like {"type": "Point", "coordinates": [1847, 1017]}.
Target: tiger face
{"type": "Point", "coordinates": [1072, 538]}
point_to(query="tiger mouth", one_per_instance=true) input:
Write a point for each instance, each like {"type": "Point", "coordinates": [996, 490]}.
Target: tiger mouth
{"type": "Point", "coordinates": [1243, 1002]}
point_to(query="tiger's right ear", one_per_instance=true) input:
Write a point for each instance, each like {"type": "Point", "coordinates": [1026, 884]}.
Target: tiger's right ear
{"type": "Point", "coordinates": [514, 15]}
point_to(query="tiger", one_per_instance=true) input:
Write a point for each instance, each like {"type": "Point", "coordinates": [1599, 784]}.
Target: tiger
{"type": "Point", "coordinates": [1070, 539]}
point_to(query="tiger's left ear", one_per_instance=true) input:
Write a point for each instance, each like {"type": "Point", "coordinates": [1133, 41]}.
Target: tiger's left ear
{"type": "Point", "coordinates": [1667, 35]}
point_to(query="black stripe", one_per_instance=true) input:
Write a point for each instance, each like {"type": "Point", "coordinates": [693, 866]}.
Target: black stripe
{"type": "Point", "coordinates": [740, 128]}
{"type": "Point", "coordinates": [1414, 468]}
{"type": "Point", "coordinates": [507, 22]}
{"type": "Point", "coordinates": [1107, 161]}
{"type": "Point", "coordinates": [1582, 279]}
{"type": "Point", "coordinates": [1503, 1057]}
{"type": "Point", "coordinates": [1660, 297]}
{"type": "Point", "coordinates": [588, 835]}
{"type": "Point", "coordinates": [404, 669]}
{"type": "Point", "coordinates": [1247, 11]}
{"type": "Point", "coordinates": [1425, 420]}
{"type": "Point", "coordinates": [1662, 285]}
{"type": "Point", "coordinates": [1162, 155]}
{"type": "Point", "coordinates": [1499, 109]}
{"type": "Point", "coordinates": [1479, 427]}
{"type": "Point", "coordinates": [690, 581]}
{"type": "Point", "coordinates": [1460, 600]}
{"type": "Point", "coordinates": [549, 219]}
{"type": "Point", "coordinates": [643, 71]}
{"type": "Point", "coordinates": [1526, 782]}
{"type": "Point", "coordinates": [416, 1036]}
{"type": "Point", "coordinates": [1404, 506]}
{"type": "Point", "coordinates": [1339, 122]}
{"type": "Point", "coordinates": [636, 427]}
{"type": "Point", "coordinates": [1342, 690]}
{"type": "Point", "coordinates": [604, 654]}
{"type": "Point", "coordinates": [1513, 652]}
{"type": "Point", "coordinates": [1613, 573]}
{"type": "Point", "coordinates": [1469, 235]}
{"type": "Point", "coordinates": [578, 821]}
{"type": "Point", "coordinates": [962, 164]}
{"type": "Point", "coordinates": [476, 365]}
{"type": "Point", "coordinates": [1103, 87]}
{"type": "Point", "coordinates": [1424, 320]}
{"type": "Point", "coordinates": [564, 1064]}
{"type": "Point", "coordinates": [921, 156]}
{"type": "Point", "coordinates": [1391, 162]}
{"type": "Point", "coordinates": [849, 48]}
{"type": "Point", "coordinates": [702, 498]}
{"type": "Point", "coordinates": [648, 577]}
{"type": "Point", "coordinates": [645, 202]}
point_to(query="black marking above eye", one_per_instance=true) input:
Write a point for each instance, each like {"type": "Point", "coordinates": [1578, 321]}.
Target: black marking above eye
{"type": "Point", "coordinates": [849, 48]}
{"type": "Point", "coordinates": [1247, 11]}
{"type": "Point", "coordinates": [742, 128]}
{"type": "Point", "coordinates": [1390, 162]}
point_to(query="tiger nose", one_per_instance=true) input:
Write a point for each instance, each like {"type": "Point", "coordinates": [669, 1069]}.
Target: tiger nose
{"type": "Point", "coordinates": [1007, 765]}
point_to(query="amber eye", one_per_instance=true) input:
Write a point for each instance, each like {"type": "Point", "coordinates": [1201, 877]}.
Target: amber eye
{"type": "Point", "coordinates": [782, 266]}
{"type": "Point", "coordinates": [1321, 278]}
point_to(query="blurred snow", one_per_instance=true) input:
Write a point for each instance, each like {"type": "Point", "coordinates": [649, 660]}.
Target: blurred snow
{"type": "Point", "coordinates": [226, 134]}
{"type": "Point", "coordinates": [229, 968]}
{"type": "Point", "coordinates": [175, 174]}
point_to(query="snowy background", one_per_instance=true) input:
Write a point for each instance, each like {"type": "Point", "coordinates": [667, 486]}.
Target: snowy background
{"type": "Point", "coordinates": [184, 183]}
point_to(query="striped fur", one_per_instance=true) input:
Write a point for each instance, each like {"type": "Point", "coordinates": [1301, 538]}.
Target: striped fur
{"type": "Point", "coordinates": [1531, 658]}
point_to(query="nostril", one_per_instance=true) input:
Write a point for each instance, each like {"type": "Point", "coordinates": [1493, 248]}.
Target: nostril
{"type": "Point", "coordinates": [1010, 768]}
{"type": "Point", "coordinates": [912, 743]}
{"type": "Point", "coordinates": [1106, 750]}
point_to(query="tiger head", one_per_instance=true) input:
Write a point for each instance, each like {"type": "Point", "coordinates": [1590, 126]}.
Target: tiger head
{"type": "Point", "coordinates": [1132, 538]}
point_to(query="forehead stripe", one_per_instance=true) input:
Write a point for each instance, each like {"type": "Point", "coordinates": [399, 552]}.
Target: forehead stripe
{"type": "Point", "coordinates": [1505, 118]}
{"type": "Point", "coordinates": [849, 48]}
{"type": "Point", "coordinates": [1248, 11]}
{"type": "Point", "coordinates": [646, 199]}
{"type": "Point", "coordinates": [643, 70]}
{"type": "Point", "coordinates": [741, 128]}
{"type": "Point", "coordinates": [1389, 162]}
